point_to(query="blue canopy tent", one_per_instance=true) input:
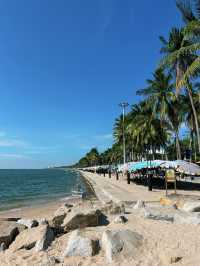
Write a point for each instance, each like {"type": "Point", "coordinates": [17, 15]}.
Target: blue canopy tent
{"type": "Point", "coordinates": [144, 165]}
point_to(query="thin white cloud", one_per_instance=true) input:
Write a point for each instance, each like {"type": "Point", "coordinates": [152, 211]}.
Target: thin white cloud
{"type": "Point", "coordinates": [6, 142]}
{"type": "Point", "coordinates": [13, 156]}
{"type": "Point", "coordinates": [11, 141]}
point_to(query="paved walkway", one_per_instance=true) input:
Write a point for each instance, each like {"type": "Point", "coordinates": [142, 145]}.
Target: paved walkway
{"type": "Point", "coordinates": [108, 189]}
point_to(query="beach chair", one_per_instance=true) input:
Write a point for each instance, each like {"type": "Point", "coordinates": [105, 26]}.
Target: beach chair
{"type": "Point", "coordinates": [170, 177]}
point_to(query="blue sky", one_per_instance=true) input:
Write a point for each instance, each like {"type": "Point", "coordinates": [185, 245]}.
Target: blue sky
{"type": "Point", "coordinates": [65, 66]}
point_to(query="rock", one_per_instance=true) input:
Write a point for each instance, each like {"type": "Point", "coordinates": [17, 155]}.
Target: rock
{"type": "Point", "coordinates": [158, 215]}
{"type": "Point", "coordinates": [112, 208]}
{"type": "Point", "coordinates": [45, 240]}
{"type": "Point", "coordinates": [139, 205]}
{"type": "Point", "coordinates": [79, 246]}
{"type": "Point", "coordinates": [121, 242]}
{"type": "Point", "coordinates": [120, 219]}
{"type": "Point", "coordinates": [2, 246]}
{"type": "Point", "coordinates": [60, 215]}
{"type": "Point", "coordinates": [175, 259]}
{"type": "Point", "coordinates": [29, 223]}
{"type": "Point", "coordinates": [78, 218]}
{"type": "Point", "coordinates": [39, 237]}
{"type": "Point", "coordinates": [191, 206]}
{"type": "Point", "coordinates": [187, 218]}
{"type": "Point", "coordinates": [65, 208]}
{"type": "Point", "coordinates": [8, 232]}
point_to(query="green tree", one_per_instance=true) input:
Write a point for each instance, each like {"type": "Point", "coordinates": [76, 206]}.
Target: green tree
{"type": "Point", "coordinates": [178, 61]}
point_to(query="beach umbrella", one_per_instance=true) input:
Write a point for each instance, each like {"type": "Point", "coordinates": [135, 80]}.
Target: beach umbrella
{"type": "Point", "coordinates": [187, 168]}
{"type": "Point", "coordinates": [144, 165]}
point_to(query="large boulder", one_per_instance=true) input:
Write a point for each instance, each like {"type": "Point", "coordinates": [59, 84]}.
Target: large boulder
{"type": "Point", "coordinates": [9, 231]}
{"type": "Point", "coordinates": [191, 206]}
{"type": "Point", "coordinates": [39, 237]}
{"type": "Point", "coordinates": [124, 243]}
{"type": "Point", "coordinates": [187, 218]}
{"type": "Point", "coordinates": [60, 215]}
{"type": "Point", "coordinates": [78, 218]}
{"type": "Point", "coordinates": [112, 208]}
{"type": "Point", "coordinates": [79, 246]}
{"type": "Point", "coordinates": [29, 223]}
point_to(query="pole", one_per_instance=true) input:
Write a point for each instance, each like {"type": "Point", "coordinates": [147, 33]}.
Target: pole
{"type": "Point", "coordinates": [124, 144]}
{"type": "Point", "coordinates": [124, 105]}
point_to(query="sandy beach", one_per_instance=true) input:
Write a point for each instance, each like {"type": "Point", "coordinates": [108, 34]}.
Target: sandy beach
{"type": "Point", "coordinates": [163, 242]}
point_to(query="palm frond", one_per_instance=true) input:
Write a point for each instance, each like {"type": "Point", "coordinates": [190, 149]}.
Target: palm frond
{"type": "Point", "coordinates": [185, 7]}
{"type": "Point", "coordinates": [192, 71]}
{"type": "Point", "coordinates": [192, 29]}
{"type": "Point", "coordinates": [162, 39]}
{"type": "Point", "coordinates": [197, 7]}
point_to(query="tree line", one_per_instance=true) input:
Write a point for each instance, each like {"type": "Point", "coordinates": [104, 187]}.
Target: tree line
{"type": "Point", "coordinates": [170, 100]}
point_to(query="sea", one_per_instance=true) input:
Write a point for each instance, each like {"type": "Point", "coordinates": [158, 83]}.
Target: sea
{"type": "Point", "coordinates": [22, 188]}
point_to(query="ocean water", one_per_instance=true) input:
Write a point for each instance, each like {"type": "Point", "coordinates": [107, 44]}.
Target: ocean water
{"type": "Point", "coordinates": [20, 188]}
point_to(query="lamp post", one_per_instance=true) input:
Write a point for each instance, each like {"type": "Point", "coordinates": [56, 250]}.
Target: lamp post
{"type": "Point", "coordinates": [123, 105]}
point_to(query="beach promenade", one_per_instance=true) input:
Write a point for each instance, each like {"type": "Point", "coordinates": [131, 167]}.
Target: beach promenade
{"type": "Point", "coordinates": [107, 189]}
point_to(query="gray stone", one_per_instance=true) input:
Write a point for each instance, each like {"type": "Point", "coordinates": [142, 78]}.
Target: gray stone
{"type": "Point", "coordinates": [187, 218]}
{"type": "Point", "coordinates": [158, 215]}
{"type": "Point", "coordinates": [121, 219]}
{"type": "Point", "coordinates": [112, 208]}
{"type": "Point", "coordinates": [39, 237]}
{"type": "Point", "coordinates": [124, 243]}
{"type": "Point", "coordinates": [8, 232]}
{"type": "Point", "coordinates": [45, 240]}
{"type": "Point", "coordinates": [60, 215]}
{"type": "Point", "coordinates": [139, 205]}
{"type": "Point", "coordinates": [78, 218]}
{"type": "Point", "coordinates": [29, 223]}
{"type": "Point", "coordinates": [79, 246]}
{"type": "Point", "coordinates": [2, 246]}
{"type": "Point", "coordinates": [191, 206]}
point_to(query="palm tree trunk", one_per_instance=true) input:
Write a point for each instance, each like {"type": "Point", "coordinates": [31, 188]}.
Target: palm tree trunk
{"type": "Point", "coordinates": [178, 147]}
{"type": "Point", "coordinates": [195, 115]}
{"type": "Point", "coordinates": [194, 146]}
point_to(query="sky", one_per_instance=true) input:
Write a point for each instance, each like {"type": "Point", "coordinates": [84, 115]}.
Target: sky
{"type": "Point", "coordinates": [65, 67]}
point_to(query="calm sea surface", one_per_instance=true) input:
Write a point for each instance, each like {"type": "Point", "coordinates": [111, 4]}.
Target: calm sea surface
{"type": "Point", "coordinates": [20, 188]}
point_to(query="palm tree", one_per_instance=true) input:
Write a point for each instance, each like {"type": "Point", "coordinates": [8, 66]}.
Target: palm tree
{"type": "Point", "coordinates": [146, 129]}
{"type": "Point", "coordinates": [190, 11]}
{"type": "Point", "coordinates": [178, 61]}
{"type": "Point", "coordinates": [160, 95]}
{"type": "Point", "coordinates": [118, 135]}
{"type": "Point", "coordinates": [190, 118]}
{"type": "Point", "coordinates": [176, 115]}
{"type": "Point", "coordinates": [93, 156]}
{"type": "Point", "coordinates": [158, 92]}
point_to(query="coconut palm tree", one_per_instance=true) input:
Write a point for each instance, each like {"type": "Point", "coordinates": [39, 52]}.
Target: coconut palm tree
{"type": "Point", "coordinates": [146, 128]}
{"type": "Point", "coordinates": [189, 118]}
{"type": "Point", "coordinates": [176, 115]}
{"type": "Point", "coordinates": [158, 92]}
{"type": "Point", "coordinates": [178, 61]}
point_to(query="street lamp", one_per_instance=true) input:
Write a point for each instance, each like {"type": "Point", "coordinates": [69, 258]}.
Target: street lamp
{"type": "Point", "coordinates": [123, 105]}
